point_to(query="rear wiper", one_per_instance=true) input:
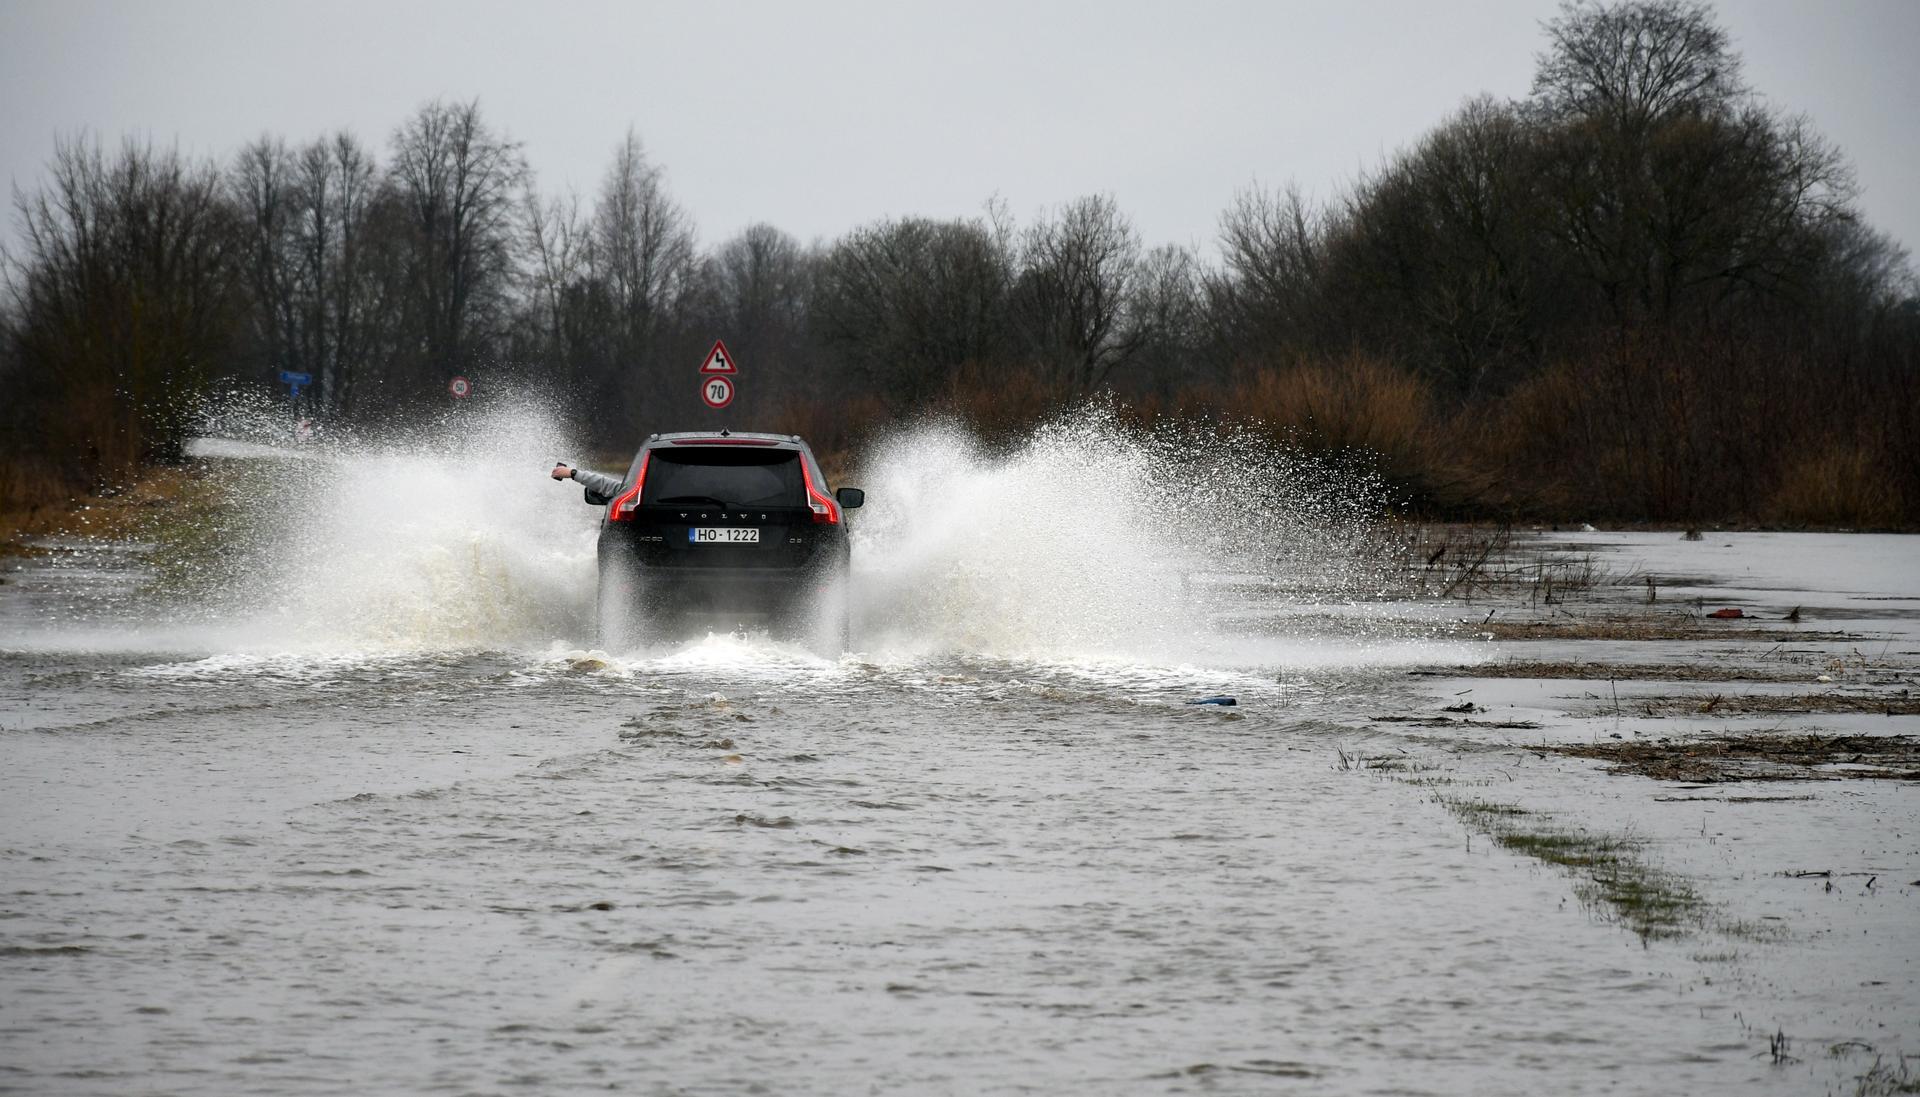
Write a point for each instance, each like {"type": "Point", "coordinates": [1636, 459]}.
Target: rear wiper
{"type": "Point", "coordinates": [695, 499]}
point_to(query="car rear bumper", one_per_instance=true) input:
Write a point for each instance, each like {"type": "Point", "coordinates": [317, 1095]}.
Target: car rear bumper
{"type": "Point", "coordinates": [733, 591]}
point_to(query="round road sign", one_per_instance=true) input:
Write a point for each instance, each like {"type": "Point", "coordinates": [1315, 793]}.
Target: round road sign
{"type": "Point", "coordinates": [459, 386]}
{"type": "Point", "coordinates": [716, 391]}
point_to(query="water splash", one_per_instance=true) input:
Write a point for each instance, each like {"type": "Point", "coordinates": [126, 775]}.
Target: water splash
{"type": "Point", "coordinates": [445, 538]}
{"type": "Point", "coordinates": [1090, 541]}
{"type": "Point", "coordinates": [1094, 537]}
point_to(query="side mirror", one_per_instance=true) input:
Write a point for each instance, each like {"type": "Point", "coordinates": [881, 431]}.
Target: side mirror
{"type": "Point", "coordinates": [595, 499]}
{"type": "Point", "coordinates": [850, 498]}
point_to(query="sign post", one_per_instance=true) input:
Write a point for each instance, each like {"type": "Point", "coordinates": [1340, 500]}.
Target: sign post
{"type": "Point", "coordinates": [717, 375]}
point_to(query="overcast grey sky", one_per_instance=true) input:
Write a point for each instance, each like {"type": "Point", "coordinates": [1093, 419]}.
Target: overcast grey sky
{"type": "Point", "coordinates": [821, 116]}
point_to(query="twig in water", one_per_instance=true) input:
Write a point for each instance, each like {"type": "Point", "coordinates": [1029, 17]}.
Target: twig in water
{"type": "Point", "coordinates": [1474, 570]}
{"type": "Point", "coordinates": [1777, 1045]}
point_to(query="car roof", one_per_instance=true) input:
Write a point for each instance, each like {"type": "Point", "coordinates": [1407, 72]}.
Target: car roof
{"type": "Point", "coordinates": [725, 438]}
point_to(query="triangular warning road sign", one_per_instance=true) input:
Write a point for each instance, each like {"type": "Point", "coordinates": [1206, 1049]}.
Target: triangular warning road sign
{"type": "Point", "coordinates": [719, 359]}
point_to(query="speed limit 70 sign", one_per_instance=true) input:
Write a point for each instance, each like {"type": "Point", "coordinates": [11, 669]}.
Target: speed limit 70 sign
{"type": "Point", "coordinates": [717, 392]}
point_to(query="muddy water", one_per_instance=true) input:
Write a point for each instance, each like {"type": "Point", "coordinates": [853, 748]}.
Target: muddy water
{"type": "Point", "coordinates": [296, 852]}
{"type": "Point", "coordinates": [732, 868]}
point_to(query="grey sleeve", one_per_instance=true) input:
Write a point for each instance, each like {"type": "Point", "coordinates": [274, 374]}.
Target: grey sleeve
{"type": "Point", "coordinates": [598, 483]}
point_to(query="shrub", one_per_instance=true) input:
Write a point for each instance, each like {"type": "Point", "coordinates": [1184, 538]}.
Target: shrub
{"type": "Point", "coordinates": [1840, 484]}
{"type": "Point", "coordinates": [1358, 405]}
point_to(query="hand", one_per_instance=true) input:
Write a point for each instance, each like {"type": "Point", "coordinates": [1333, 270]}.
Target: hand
{"type": "Point", "coordinates": [561, 471]}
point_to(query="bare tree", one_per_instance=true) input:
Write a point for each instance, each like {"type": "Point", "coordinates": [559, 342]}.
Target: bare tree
{"type": "Point", "coordinates": [572, 310]}
{"type": "Point", "coordinates": [1740, 202]}
{"type": "Point", "coordinates": [123, 303]}
{"type": "Point", "coordinates": [906, 304]}
{"type": "Point", "coordinates": [1439, 252]}
{"type": "Point", "coordinates": [1636, 63]}
{"type": "Point", "coordinates": [1667, 183]}
{"type": "Point", "coordinates": [762, 274]}
{"type": "Point", "coordinates": [754, 290]}
{"type": "Point", "coordinates": [559, 248]}
{"type": "Point", "coordinates": [645, 242]}
{"type": "Point", "coordinates": [363, 293]}
{"type": "Point", "coordinates": [1077, 271]}
{"type": "Point", "coordinates": [319, 307]}
{"type": "Point", "coordinates": [459, 181]}
{"type": "Point", "coordinates": [264, 187]}
{"type": "Point", "coordinates": [1266, 294]}
{"type": "Point", "coordinates": [644, 246]}
{"type": "Point", "coordinates": [1167, 317]}
{"type": "Point", "coordinates": [349, 308]}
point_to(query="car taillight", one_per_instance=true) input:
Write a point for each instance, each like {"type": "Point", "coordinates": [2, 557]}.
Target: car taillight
{"type": "Point", "coordinates": [825, 510]}
{"type": "Point", "coordinates": [623, 507]}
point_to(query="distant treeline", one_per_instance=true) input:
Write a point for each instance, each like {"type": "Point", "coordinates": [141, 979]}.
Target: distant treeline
{"type": "Point", "coordinates": [1640, 293]}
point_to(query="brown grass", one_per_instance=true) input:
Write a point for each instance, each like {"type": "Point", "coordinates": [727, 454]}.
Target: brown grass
{"type": "Point", "coordinates": [35, 495]}
{"type": "Point", "coordinates": [32, 480]}
{"type": "Point", "coordinates": [1839, 484]}
{"type": "Point", "coordinates": [1355, 405]}
{"type": "Point", "coordinates": [124, 514]}
{"type": "Point", "coordinates": [835, 429]}
{"type": "Point", "coordinates": [1686, 432]}
{"type": "Point", "coordinates": [1759, 758]}
{"type": "Point", "coordinates": [1641, 672]}
{"type": "Point", "coordinates": [1349, 403]}
{"type": "Point", "coordinates": [1774, 704]}
{"type": "Point", "coordinates": [1003, 406]}
{"type": "Point", "coordinates": [1643, 432]}
{"type": "Point", "coordinates": [1670, 626]}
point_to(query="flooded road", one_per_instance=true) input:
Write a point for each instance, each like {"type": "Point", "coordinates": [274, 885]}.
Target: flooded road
{"type": "Point", "coordinates": [390, 836]}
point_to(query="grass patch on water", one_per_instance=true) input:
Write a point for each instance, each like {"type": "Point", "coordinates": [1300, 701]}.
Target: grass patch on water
{"type": "Point", "coordinates": [1611, 873]}
{"type": "Point", "coordinates": [1887, 1079]}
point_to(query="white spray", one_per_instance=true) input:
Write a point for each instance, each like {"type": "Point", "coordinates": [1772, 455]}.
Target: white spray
{"type": "Point", "coordinates": [1088, 539]}
{"type": "Point", "coordinates": [453, 540]}
{"type": "Point", "coordinates": [1092, 537]}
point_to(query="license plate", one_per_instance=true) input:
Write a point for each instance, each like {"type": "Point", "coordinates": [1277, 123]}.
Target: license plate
{"type": "Point", "coordinates": [723, 535]}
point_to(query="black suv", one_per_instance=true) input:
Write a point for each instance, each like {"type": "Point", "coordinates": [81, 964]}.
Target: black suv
{"type": "Point", "coordinates": [729, 528]}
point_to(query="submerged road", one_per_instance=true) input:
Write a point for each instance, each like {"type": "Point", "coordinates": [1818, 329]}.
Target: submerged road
{"type": "Point", "coordinates": [353, 808]}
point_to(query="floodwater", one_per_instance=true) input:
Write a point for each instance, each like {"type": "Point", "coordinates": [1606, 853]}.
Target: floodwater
{"type": "Point", "coordinates": [356, 807]}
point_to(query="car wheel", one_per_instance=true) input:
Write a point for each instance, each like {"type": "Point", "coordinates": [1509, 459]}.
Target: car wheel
{"type": "Point", "coordinates": [832, 632]}
{"type": "Point", "coordinates": [846, 624]}
{"type": "Point", "coordinates": [618, 620]}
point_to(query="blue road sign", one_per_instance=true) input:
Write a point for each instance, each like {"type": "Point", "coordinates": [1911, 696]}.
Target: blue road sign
{"type": "Point", "coordinates": [294, 381]}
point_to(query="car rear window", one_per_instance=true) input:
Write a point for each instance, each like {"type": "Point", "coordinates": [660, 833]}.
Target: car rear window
{"type": "Point", "coordinates": [734, 476]}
